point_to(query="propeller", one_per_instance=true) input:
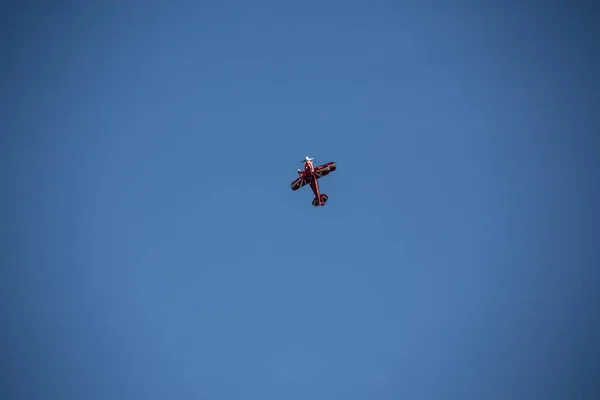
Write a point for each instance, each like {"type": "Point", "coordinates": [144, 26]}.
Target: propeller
{"type": "Point", "coordinates": [307, 158]}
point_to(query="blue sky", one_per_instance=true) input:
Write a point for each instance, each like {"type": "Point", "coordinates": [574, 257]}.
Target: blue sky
{"type": "Point", "coordinates": [154, 249]}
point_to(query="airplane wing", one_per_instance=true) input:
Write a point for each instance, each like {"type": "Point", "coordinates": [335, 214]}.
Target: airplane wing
{"type": "Point", "coordinates": [298, 183]}
{"type": "Point", "coordinates": [320, 172]}
{"type": "Point", "coordinates": [325, 169]}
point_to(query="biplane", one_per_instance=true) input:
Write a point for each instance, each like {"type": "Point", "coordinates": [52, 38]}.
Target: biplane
{"type": "Point", "coordinates": [310, 176]}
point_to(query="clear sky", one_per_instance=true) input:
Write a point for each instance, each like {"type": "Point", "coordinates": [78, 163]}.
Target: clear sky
{"type": "Point", "coordinates": [153, 249]}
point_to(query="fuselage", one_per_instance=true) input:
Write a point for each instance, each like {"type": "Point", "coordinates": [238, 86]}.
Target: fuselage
{"type": "Point", "coordinates": [309, 170]}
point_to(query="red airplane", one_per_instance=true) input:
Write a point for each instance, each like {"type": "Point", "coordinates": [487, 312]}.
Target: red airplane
{"type": "Point", "coordinates": [310, 175]}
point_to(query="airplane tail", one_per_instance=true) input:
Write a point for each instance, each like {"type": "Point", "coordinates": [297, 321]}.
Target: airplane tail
{"type": "Point", "coordinates": [324, 199]}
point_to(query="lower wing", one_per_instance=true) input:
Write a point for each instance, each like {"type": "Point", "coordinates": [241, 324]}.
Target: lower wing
{"type": "Point", "coordinates": [298, 183]}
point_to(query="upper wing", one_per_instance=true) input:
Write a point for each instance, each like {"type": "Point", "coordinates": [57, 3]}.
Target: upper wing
{"type": "Point", "coordinates": [325, 169]}
{"type": "Point", "coordinates": [298, 183]}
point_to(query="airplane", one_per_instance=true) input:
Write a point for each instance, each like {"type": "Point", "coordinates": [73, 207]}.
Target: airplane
{"type": "Point", "coordinates": [310, 175]}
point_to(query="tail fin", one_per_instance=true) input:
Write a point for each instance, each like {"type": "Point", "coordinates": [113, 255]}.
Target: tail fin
{"type": "Point", "coordinates": [324, 199]}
